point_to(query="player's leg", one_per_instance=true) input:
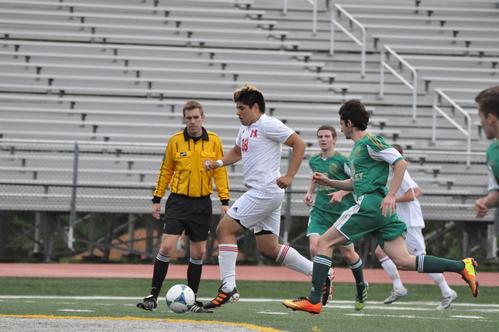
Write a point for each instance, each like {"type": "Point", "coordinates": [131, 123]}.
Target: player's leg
{"type": "Point", "coordinates": [161, 263]}
{"type": "Point", "coordinates": [387, 264]}
{"type": "Point", "coordinates": [397, 251]}
{"type": "Point", "coordinates": [355, 263]}
{"type": "Point", "coordinates": [416, 245]}
{"type": "Point", "coordinates": [313, 242]}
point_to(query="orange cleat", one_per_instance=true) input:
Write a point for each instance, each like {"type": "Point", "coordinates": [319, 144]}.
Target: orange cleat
{"type": "Point", "coordinates": [469, 275]}
{"type": "Point", "coordinates": [303, 304]}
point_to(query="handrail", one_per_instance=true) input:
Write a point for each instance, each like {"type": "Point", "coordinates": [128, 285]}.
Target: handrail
{"type": "Point", "coordinates": [362, 43]}
{"type": "Point", "coordinates": [414, 86]}
{"type": "Point", "coordinates": [314, 13]}
{"type": "Point", "coordinates": [439, 94]}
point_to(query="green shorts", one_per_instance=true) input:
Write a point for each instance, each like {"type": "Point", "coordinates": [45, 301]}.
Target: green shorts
{"type": "Point", "coordinates": [320, 221]}
{"type": "Point", "coordinates": [365, 218]}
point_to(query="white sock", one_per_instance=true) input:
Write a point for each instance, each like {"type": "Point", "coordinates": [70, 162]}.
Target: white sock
{"type": "Point", "coordinates": [439, 279]}
{"type": "Point", "coordinates": [392, 272]}
{"type": "Point", "coordinates": [290, 258]}
{"type": "Point", "coordinates": [227, 256]}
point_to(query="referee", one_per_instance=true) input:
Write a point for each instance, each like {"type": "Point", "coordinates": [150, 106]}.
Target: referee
{"type": "Point", "coordinates": [188, 207]}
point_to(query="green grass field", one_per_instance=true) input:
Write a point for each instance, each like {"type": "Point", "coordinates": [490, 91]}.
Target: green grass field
{"type": "Point", "coordinates": [118, 297]}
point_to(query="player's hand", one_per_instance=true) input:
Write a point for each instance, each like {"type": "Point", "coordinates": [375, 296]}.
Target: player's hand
{"type": "Point", "coordinates": [307, 199]}
{"type": "Point", "coordinates": [224, 209]}
{"type": "Point", "coordinates": [388, 205]}
{"type": "Point", "coordinates": [320, 178]}
{"type": "Point", "coordinates": [336, 197]}
{"type": "Point", "coordinates": [481, 208]}
{"type": "Point", "coordinates": [210, 165]}
{"type": "Point", "coordinates": [284, 181]}
{"type": "Point", "coordinates": [156, 211]}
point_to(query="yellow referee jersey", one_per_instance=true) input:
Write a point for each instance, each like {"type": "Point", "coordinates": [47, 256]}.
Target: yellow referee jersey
{"type": "Point", "coordinates": [182, 169]}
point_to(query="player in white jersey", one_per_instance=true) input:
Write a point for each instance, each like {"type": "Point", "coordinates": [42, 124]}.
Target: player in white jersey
{"type": "Point", "coordinates": [409, 210]}
{"type": "Point", "coordinates": [259, 145]}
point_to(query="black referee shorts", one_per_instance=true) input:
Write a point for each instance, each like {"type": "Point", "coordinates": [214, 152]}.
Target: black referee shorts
{"type": "Point", "coordinates": [189, 214]}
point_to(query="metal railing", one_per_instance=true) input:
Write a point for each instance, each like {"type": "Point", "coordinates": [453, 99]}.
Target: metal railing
{"type": "Point", "coordinates": [352, 21]}
{"type": "Point", "coordinates": [385, 54]}
{"type": "Point", "coordinates": [314, 13]}
{"type": "Point", "coordinates": [438, 98]}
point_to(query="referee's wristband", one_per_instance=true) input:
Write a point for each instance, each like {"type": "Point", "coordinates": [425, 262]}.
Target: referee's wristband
{"type": "Point", "coordinates": [219, 162]}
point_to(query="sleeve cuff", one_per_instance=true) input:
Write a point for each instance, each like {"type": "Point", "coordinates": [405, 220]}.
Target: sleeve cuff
{"type": "Point", "coordinates": [225, 202]}
{"type": "Point", "coordinates": [156, 199]}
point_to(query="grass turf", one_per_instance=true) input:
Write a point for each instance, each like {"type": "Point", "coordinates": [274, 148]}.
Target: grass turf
{"type": "Point", "coordinates": [482, 314]}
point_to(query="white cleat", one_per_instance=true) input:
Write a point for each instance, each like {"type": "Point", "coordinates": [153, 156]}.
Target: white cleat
{"type": "Point", "coordinates": [447, 300]}
{"type": "Point", "coordinates": [395, 295]}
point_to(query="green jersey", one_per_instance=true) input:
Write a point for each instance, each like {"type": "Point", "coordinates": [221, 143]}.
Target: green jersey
{"type": "Point", "coordinates": [370, 161]}
{"type": "Point", "coordinates": [493, 165]}
{"type": "Point", "coordinates": [335, 167]}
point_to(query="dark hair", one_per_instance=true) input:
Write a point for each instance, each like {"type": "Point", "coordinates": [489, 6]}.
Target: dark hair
{"type": "Point", "coordinates": [192, 104]}
{"type": "Point", "coordinates": [249, 95]}
{"type": "Point", "coordinates": [398, 148]}
{"type": "Point", "coordinates": [327, 127]}
{"type": "Point", "coordinates": [488, 101]}
{"type": "Point", "coordinates": [356, 112]}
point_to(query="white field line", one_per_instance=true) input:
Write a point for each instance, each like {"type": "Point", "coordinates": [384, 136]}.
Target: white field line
{"type": "Point", "coordinates": [334, 303]}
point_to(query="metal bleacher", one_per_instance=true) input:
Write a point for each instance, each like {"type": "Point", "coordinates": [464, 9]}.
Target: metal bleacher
{"type": "Point", "coordinates": [106, 80]}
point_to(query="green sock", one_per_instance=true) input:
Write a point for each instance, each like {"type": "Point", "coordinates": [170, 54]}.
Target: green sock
{"type": "Point", "coordinates": [322, 264]}
{"type": "Point", "coordinates": [432, 264]}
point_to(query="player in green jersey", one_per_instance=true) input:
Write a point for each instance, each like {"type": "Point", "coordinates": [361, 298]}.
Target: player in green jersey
{"type": "Point", "coordinates": [330, 203]}
{"type": "Point", "coordinates": [488, 110]}
{"type": "Point", "coordinates": [374, 211]}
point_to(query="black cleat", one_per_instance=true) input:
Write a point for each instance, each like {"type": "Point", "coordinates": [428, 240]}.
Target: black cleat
{"type": "Point", "coordinates": [197, 307]}
{"type": "Point", "coordinates": [149, 303]}
{"type": "Point", "coordinates": [223, 297]}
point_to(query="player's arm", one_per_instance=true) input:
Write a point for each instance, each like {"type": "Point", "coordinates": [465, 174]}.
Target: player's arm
{"type": "Point", "coordinates": [298, 146]}
{"type": "Point", "coordinates": [165, 174]}
{"type": "Point", "coordinates": [337, 196]}
{"type": "Point", "coordinates": [308, 198]}
{"type": "Point", "coordinates": [322, 179]}
{"type": "Point", "coordinates": [485, 203]}
{"type": "Point", "coordinates": [222, 180]}
{"type": "Point", "coordinates": [408, 196]}
{"type": "Point", "coordinates": [389, 202]}
{"type": "Point", "coordinates": [231, 157]}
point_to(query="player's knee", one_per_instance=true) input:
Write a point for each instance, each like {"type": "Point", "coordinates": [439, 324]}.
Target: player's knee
{"type": "Point", "coordinates": [323, 244]}
{"type": "Point", "coordinates": [403, 263]}
{"type": "Point", "coordinates": [379, 253]}
{"type": "Point", "coordinates": [167, 249]}
{"type": "Point", "coordinates": [313, 250]}
{"type": "Point", "coordinates": [349, 254]}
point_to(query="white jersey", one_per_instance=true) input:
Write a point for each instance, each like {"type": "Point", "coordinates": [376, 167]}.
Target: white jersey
{"type": "Point", "coordinates": [409, 212]}
{"type": "Point", "coordinates": [261, 147]}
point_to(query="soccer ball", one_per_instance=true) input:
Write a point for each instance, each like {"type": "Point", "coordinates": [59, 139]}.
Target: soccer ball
{"type": "Point", "coordinates": [180, 298]}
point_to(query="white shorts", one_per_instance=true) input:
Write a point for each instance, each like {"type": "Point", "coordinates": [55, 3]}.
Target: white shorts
{"type": "Point", "coordinates": [259, 211]}
{"type": "Point", "coordinates": [415, 241]}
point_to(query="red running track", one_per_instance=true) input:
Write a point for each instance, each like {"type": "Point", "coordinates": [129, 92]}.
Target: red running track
{"type": "Point", "coordinates": [210, 272]}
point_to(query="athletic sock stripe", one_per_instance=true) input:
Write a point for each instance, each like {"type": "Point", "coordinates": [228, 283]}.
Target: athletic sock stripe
{"type": "Point", "coordinates": [357, 264]}
{"type": "Point", "coordinates": [282, 254]}
{"type": "Point", "coordinates": [420, 263]}
{"type": "Point", "coordinates": [323, 261]}
{"type": "Point", "coordinates": [195, 261]}
{"type": "Point", "coordinates": [228, 248]}
{"type": "Point", "coordinates": [384, 259]}
{"type": "Point", "coordinates": [162, 258]}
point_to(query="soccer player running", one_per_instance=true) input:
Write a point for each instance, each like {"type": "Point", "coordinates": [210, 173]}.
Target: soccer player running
{"type": "Point", "coordinates": [259, 145]}
{"type": "Point", "coordinates": [374, 211]}
{"type": "Point", "coordinates": [325, 212]}
{"type": "Point", "coordinates": [488, 110]}
{"type": "Point", "coordinates": [409, 210]}
{"type": "Point", "coordinates": [188, 208]}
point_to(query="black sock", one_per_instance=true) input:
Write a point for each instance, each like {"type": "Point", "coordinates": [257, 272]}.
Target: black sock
{"type": "Point", "coordinates": [160, 269]}
{"type": "Point", "coordinates": [194, 274]}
